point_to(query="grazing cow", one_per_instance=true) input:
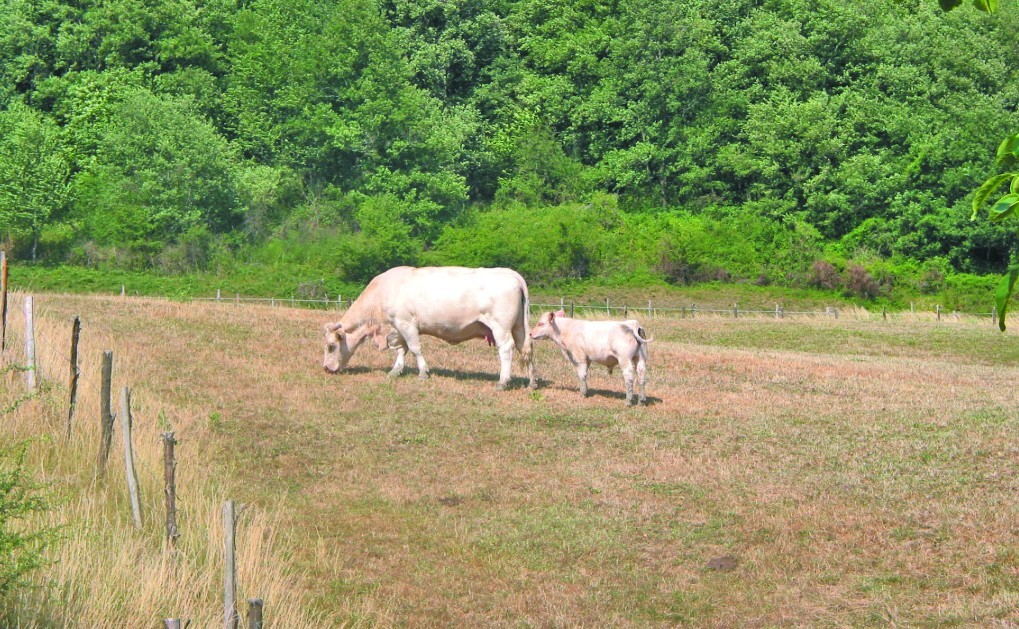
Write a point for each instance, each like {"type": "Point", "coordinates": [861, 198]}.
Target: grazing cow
{"type": "Point", "coordinates": [454, 304]}
{"type": "Point", "coordinates": [609, 343]}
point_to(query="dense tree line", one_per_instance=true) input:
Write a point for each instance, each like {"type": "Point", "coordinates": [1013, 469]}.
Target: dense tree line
{"type": "Point", "coordinates": [690, 140]}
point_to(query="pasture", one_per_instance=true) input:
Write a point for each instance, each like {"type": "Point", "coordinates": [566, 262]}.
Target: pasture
{"type": "Point", "coordinates": [786, 472]}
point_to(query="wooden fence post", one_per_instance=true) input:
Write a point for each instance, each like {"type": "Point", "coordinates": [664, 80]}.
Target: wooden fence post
{"type": "Point", "coordinates": [994, 315]}
{"type": "Point", "coordinates": [254, 613]}
{"type": "Point", "coordinates": [132, 476]}
{"type": "Point", "coordinates": [75, 373]}
{"type": "Point", "coordinates": [607, 311]}
{"type": "Point", "coordinates": [884, 313]}
{"type": "Point", "coordinates": [169, 476]}
{"type": "Point", "coordinates": [230, 615]}
{"type": "Point", "coordinates": [3, 301]}
{"type": "Point", "coordinates": [693, 310]}
{"type": "Point", "coordinates": [105, 414]}
{"type": "Point", "coordinates": [735, 311]}
{"type": "Point", "coordinates": [938, 310]}
{"type": "Point", "coordinates": [218, 295]}
{"type": "Point", "coordinates": [649, 307]}
{"type": "Point", "coordinates": [571, 309]}
{"type": "Point", "coordinates": [30, 342]}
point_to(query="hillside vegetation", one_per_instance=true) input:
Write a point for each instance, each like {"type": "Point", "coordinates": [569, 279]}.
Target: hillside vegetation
{"type": "Point", "coordinates": [780, 142]}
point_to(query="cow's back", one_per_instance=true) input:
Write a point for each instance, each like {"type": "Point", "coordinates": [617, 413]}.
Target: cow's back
{"type": "Point", "coordinates": [454, 295]}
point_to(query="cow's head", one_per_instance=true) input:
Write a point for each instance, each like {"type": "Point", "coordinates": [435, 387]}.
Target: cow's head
{"type": "Point", "coordinates": [546, 327]}
{"type": "Point", "coordinates": [337, 351]}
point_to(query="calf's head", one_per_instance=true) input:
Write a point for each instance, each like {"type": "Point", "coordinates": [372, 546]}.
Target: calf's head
{"type": "Point", "coordinates": [546, 327]}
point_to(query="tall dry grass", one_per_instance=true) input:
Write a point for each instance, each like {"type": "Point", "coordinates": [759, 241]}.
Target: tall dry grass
{"type": "Point", "coordinates": [103, 572]}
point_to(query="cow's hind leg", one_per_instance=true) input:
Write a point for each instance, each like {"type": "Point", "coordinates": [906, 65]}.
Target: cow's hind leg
{"type": "Point", "coordinates": [523, 343]}
{"type": "Point", "coordinates": [628, 381]}
{"type": "Point", "coordinates": [642, 375]}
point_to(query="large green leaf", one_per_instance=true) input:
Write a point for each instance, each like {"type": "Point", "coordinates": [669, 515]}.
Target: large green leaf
{"type": "Point", "coordinates": [1007, 151]}
{"type": "Point", "coordinates": [1004, 208]}
{"type": "Point", "coordinates": [987, 6]}
{"type": "Point", "coordinates": [987, 189]}
{"type": "Point", "coordinates": [1004, 295]}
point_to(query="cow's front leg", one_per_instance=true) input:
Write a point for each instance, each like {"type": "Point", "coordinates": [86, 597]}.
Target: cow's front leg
{"type": "Point", "coordinates": [412, 340]}
{"type": "Point", "coordinates": [401, 361]}
{"type": "Point", "coordinates": [582, 368]}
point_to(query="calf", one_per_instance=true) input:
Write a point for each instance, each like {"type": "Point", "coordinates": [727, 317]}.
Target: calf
{"type": "Point", "coordinates": [609, 343]}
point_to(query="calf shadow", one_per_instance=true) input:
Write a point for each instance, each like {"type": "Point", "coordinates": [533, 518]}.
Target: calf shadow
{"type": "Point", "coordinates": [618, 395]}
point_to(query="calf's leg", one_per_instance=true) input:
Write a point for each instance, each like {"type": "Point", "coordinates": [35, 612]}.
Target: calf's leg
{"type": "Point", "coordinates": [582, 367]}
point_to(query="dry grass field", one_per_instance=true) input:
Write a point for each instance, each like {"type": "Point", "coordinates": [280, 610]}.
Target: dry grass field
{"type": "Point", "coordinates": [850, 472]}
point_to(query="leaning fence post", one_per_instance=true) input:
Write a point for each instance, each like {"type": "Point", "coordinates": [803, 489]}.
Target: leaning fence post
{"type": "Point", "coordinates": [105, 413]}
{"type": "Point", "coordinates": [75, 373]}
{"type": "Point", "coordinates": [30, 342]}
{"type": "Point", "coordinates": [254, 613]}
{"type": "Point", "coordinates": [132, 476]}
{"type": "Point", "coordinates": [3, 301]}
{"type": "Point", "coordinates": [170, 490]}
{"type": "Point", "coordinates": [230, 616]}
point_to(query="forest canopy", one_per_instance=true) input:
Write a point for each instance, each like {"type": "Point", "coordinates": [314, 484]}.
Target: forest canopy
{"type": "Point", "coordinates": [688, 141]}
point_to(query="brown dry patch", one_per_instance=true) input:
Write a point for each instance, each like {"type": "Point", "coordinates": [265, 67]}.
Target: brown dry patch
{"type": "Point", "coordinates": [859, 472]}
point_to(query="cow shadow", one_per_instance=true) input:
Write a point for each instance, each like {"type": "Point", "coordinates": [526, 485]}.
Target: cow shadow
{"type": "Point", "coordinates": [616, 395]}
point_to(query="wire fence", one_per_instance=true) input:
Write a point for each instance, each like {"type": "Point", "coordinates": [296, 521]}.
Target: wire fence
{"type": "Point", "coordinates": [650, 309]}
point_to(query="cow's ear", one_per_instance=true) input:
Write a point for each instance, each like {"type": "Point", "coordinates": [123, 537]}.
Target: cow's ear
{"type": "Point", "coordinates": [335, 328]}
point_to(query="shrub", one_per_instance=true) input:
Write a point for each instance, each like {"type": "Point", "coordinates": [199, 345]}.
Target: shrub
{"type": "Point", "coordinates": [21, 548]}
{"type": "Point", "coordinates": [824, 275]}
{"type": "Point", "coordinates": [860, 283]}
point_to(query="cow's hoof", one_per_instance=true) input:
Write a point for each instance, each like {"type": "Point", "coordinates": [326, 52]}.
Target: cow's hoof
{"type": "Point", "coordinates": [423, 376]}
{"type": "Point", "coordinates": [394, 374]}
{"type": "Point", "coordinates": [501, 386]}
{"type": "Point", "coordinates": [532, 385]}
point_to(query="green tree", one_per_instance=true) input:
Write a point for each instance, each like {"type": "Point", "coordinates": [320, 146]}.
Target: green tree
{"type": "Point", "coordinates": [34, 172]}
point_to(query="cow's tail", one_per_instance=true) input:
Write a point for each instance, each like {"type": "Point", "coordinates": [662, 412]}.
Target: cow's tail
{"type": "Point", "coordinates": [526, 355]}
{"type": "Point", "coordinates": [640, 334]}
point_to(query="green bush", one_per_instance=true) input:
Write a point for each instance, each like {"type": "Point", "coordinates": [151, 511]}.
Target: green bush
{"type": "Point", "coordinates": [21, 547]}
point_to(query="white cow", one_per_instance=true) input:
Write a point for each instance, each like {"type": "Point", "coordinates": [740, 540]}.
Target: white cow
{"type": "Point", "coordinates": [454, 304]}
{"type": "Point", "coordinates": [609, 343]}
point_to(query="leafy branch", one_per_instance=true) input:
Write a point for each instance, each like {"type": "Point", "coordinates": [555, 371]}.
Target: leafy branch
{"type": "Point", "coordinates": [1006, 207]}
